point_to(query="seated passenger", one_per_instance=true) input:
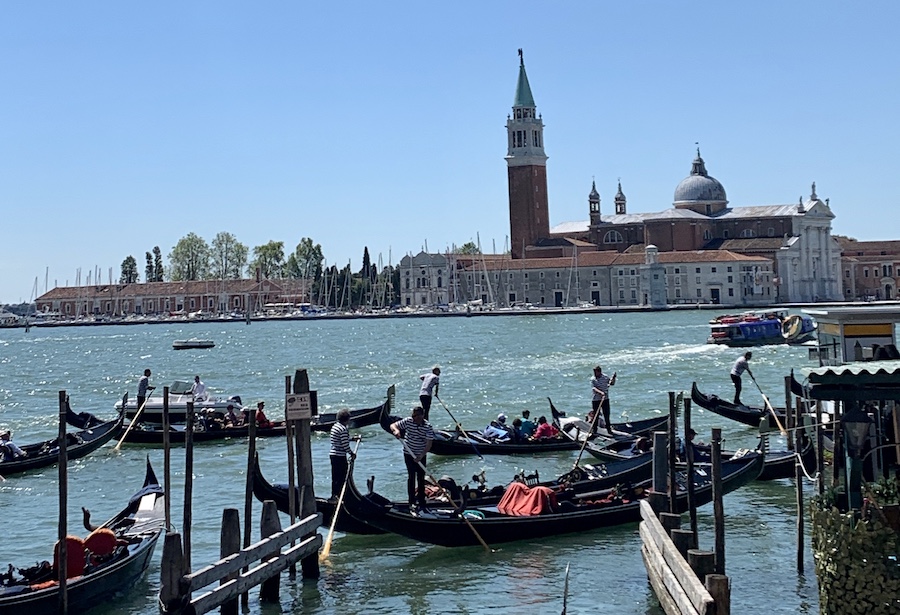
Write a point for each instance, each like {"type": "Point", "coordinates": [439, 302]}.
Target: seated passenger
{"type": "Point", "coordinates": [515, 434]}
{"type": "Point", "coordinates": [261, 421]}
{"type": "Point", "coordinates": [497, 430]}
{"type": "Point", "coordinates": [8, 448]}
{"type": "Point", "coordinates": [528, 425]}
{"type": "Point", "coordinates": [641, 445]}
{"type": "Point", "coordinates": [545, 430]}
{"type": "Point", "coordinates": [231, 417]}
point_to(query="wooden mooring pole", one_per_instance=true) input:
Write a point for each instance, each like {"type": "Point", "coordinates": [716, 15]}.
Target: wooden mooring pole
{"type": "Point", "coordinates": [248, 487]}
{"type": "Point", "coordinates": [167, 457]}
{"type": "Point", "coordinates": [718, 508]}
{"type": "Point", "coordinates": [230, 543]}
{"type": "Point", "coordinates": [689, 457]}
{"type": "Point", "coordinates": [188, 483]}
{"type": "Point", "coordinates": [62, 546]}
{"type": "Point", "coordinates": [269, 525]}
{"type": "Point", "coordinates": [292, 483]}
{"type": "Point", "coordinates": [309, 564]}
{"type": "Point", "coordinates": [673, 485]}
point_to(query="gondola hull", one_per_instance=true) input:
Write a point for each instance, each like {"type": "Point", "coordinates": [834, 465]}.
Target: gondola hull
{"type": "Point", "coordinates": [447, 529]}
{"type": "Point", "coordinates": [140, 524]}
{"type": "Point", "coordinates": [748, 415]}
{"type": "Point", "coordinates": [78, 444]}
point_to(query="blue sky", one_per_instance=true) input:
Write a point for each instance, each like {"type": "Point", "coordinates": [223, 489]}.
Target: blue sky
{"type": "Point", "coordinates": [128, 125]}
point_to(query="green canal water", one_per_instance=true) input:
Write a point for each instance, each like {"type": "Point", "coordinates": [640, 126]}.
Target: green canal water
{"type": "Point", "coordinates": [489, 365]}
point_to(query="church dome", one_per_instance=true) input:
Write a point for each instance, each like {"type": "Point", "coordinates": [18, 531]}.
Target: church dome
{"type": "Point", "coordinates": [699, 186]}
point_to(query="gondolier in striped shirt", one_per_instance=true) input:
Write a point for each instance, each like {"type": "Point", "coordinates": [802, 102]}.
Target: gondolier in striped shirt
{"type": "Point", "coordinates": [340, 448]}
{"type": "Point", "coordinates": [417, 436]}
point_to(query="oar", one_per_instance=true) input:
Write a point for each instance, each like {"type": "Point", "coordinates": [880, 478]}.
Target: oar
{"type": "Point", "coordinates": [566, 591]}
{"type": "Point", "coordinates": [337, 509]}
{"type": "Point", "coordinates": [459, 426]}
{"type": "Point", "coordinates": [769, 406]}
{"type": "Point", "coordinates": [449, 497]}
{"type": "Point", "coordinates": [587, 437]}
{"type": "Point", "coordinates": [133, 422]}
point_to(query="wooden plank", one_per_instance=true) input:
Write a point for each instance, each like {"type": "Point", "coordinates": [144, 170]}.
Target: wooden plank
{"type": "Point", "coordinates": [658, 565]}
{"type": "Point", "coordinates": [652, 531]}
{"type": "Point", "coordinates": [232, 589]}
{"type": "Point", "coordinates": [226, 565]}
{"type": "Point", "coordinates": [662, 594]}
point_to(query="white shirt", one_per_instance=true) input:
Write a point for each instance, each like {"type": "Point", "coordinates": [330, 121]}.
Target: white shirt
{"type": "Point", "coordinates": [429, 381]}
{"type": "Point", "coordinates": [740, 366]}
{"type": "Point", "coordinates": [198, 390]}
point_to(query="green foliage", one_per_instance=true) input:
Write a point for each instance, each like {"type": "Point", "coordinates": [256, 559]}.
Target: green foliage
{"type": "Point", "coordinates": [129, 271]}
{"type": "Point", "coordinates": [228, 257]}
{"type": "Point", "coordinates": [469, 248]}
{"type": "Point", "coordinates": [886, 490]}
{"type": "Point", "coordinates": [148, 270]}
{"type": "Point", "coordinates": [158, 272]}
{"type": "Point", "coordinates": [189, 259]}
{"type": "Point", "coordinates": [269, 260]}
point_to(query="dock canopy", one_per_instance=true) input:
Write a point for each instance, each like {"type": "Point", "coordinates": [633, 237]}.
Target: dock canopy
{"type": "Point", "coordinates": [869, 381]}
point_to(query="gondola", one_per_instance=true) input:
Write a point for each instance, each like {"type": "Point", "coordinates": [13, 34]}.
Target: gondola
{"type": "Point", "coordinates": [748, 415]}
{"type": "Point", "coordinates": [579, 480]}
{"type": "Point", "coordinates": [576, 429]}
{"type": "Point", "coordinates": [78, 444]}
{"type": "Point", "coordinates": [473, 442]}
{"type": "Point", "coordinates": [778, 464]}
{"type": "Point", "coordinates": [137, 528]}
{"type": "Point", "coordinates": [445, 526]}
{"type": "Point", "coordinates": [210, 425]}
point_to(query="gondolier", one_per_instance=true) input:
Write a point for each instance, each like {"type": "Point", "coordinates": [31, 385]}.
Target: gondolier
{"type": "Point", "coordinates": [430, 384]}
{"type": "Point", "coordinates": [340, 448]}
{"type": "Point", "coordinates": [740, 366]}
{"type": "Point", "coordinates": [417, 436]}
{"type": "Point", "coordinates": [600, 384]}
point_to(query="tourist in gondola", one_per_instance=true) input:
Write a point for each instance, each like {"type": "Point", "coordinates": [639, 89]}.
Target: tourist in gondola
{"type": "Point", "coordinates": [8, 449]}
{"type": "Point", "coordinates": [430, 385]}
{"type": "Point", "coordinates": [528, 425]}
{"type": "Point", "coordinates": [498, 429]}
{"type": "Point", "coordinates": [231, 417]}
{"type": "Point", "coordinates": [143, 387]}
{"type": "Point", "coordinates": [515, 434]}
{"type": "Point", "coordinates": [417, 436]}
{"type": "Point", "coordinates": [699, 454]}
{"type": "Point", "coordinates": [340, 449]}
{"type": "Point", "coordinates": [740, 366]}
{"type": "Point", "coordinates": [545, 430]}
{"type": "Point", "coordinates": [600, 384]}
{"type": "Point", "coordinates": [261, 420]}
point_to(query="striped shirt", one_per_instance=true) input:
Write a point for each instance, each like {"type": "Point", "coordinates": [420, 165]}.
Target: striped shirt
{"type": "Point", "coordinates": [416, 437]}
{"type": "Point", "coordinates": [340, 440]}
{"type": "Point", "coordinates": [601, 383]}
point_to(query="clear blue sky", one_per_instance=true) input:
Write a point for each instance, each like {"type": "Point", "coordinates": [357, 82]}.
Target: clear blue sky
{"type": "Point", "coordinates": [127, 125]}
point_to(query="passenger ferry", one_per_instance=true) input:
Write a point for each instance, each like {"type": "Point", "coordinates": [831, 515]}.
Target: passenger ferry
{"type": "Point", "coordinates": [760, 328]}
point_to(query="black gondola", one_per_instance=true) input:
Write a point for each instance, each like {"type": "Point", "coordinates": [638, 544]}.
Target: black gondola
{"type": "Point", "coordinates": [748, 415]}
{"type": "Point", "coordinates": [137, 528]}
{"type": "Point", "coordinates": [586, 512]}
{"type": "Point", "coordinates": [473, 442]}
{"type": "Point", "coordinates": [46, 453]}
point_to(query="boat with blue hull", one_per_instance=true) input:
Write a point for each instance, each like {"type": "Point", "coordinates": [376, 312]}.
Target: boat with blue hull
{"type": "Point", "coordinates": [761, 328]}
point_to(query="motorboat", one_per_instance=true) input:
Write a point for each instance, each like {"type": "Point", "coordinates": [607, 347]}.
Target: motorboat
{"type": "Point", "coordinates": [760, 328]}
{"type": "Point", "coordinates": [179, 396]}
{"type": "Point", "coordinates": [192, 344]}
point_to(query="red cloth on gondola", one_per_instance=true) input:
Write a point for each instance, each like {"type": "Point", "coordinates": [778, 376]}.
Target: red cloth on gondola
{"type": "Point", "coordinates": [520, 500]}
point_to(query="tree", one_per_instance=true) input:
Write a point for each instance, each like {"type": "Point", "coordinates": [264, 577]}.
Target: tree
{"type": "Point", "coordinates": [148, 271]}
{"type": "Point", "coordinates": [268, 259]}
{"type": "Point", "coordinates": [306, 260]}
{"type": "Point", "coordinates": [158, 272]}
{"type": "Point", "coordinates": [469, 248]}
{"type": "Point", "coordinates": [189, 259]}
{"type": "Point", "coordinates": [129, 271]}
{"type": "Point", "coordinates": [228, 257]}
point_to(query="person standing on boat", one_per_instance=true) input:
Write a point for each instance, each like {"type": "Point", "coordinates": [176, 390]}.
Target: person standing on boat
{"type": "Point", "coordinates": [143, 387]}
{"type": "Point", "coordinates": [740, 366]}
{"type": "Point", "coordinates": [430, 385]}
{"type": "Point", "coordinates": [417, 436]}
{"type": "Point", "coordinates": [340, 449]}
{"type": "Point", "coordinates": [600, 384]}
{"type": "Point", "coordinates": [198, 389]}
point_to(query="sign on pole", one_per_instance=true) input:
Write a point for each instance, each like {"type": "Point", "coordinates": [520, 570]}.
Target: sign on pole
{"type": "Point", "coordinates": [300, 406]}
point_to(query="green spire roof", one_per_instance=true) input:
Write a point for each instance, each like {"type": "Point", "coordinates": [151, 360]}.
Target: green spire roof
{"type": "Point", "coordinates": [523, 90]}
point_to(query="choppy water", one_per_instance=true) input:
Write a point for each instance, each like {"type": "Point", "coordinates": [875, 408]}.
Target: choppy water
{"type": "Point", "coordinates": [490, 364]}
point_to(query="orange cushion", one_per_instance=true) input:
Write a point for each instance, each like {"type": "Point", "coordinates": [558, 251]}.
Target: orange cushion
{"type": "Point", "coordinates": [101, 541]}
{"type": "Point", "coordinates": [74, 556]}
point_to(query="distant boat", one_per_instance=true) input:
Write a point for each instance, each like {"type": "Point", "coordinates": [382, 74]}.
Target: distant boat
{"type": "Point", "coordinates": [760, 328]}
{"type": "Point", "coordinates": [192, 343]}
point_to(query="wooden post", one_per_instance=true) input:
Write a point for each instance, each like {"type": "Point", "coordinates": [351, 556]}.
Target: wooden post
{"type": "Point", "coordinates": [248, 489]}
{"type": "Point", "coordinates": [798, 478]}
{"type": "Point", "coordinates": [62, 551]}
{"type": "Point", "coordinates": [167, 457]}
{"type": "Point", "coordinates": [657, 495]}
{"type": "Point", "coordinates": [309, 564]}
{"type": "Point", "coordinates": [292, 483]}
{"type": "Point", "coordinates": [719, 587]}
{"type": "Point", "coordinates": [820, 450]}
{"type": "Point", "coordinates": [171, 570]}
{"type": "Point", "coordinates": [718, 510]}
{"type": "Point", "coordinates": [670, 521]}
{"type": "Point", "coordinates": [270, 524]}
{"type": "Point", "coordinates": [701, 562]}
{"type": "Point", "coordinates": [188, 483]}
{"type": "Point", "coordinates": [689, 456]}
{"type": "Point", "coordinates": [683, 541]}
{"type": "Point", "coordinates": [790, 418]}
{"type": "Point", "coordinates": [230, 542]}
{"type": "Point", "coordinates": [673, 485]}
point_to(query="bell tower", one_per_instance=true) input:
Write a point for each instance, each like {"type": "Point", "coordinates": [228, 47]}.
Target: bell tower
{"type": "Point", "coordinates": [529, 217]}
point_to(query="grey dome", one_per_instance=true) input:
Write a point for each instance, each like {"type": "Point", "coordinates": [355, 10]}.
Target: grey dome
{"type": "Point", "coordinates": [699, 186]}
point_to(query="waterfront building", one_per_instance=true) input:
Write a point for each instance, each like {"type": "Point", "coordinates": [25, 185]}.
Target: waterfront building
{"type": "Point", "coordinates": [870, 269]}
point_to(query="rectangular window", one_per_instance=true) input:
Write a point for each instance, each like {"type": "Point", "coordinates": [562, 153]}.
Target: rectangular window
{"type": "Point", "coordinates": [633, 272]}
{"type": "Point", "coordinates": [730, 278]}
{"type": "Point", "coordinates": [621, 272]}
{"type": "Point", "coordinates": [847, 273]}
{"type": "Point", "coordinates": [526, 275]}
{"type": "Point", "coordinates": [634, 281]}
{"type": "Point", "coordinates": [678, 281]}
{"type": "Point", "coordinates": [622, 295]}
{"type": "Point", "coordinates": [697, 279]}
{"type": "Point", "coordinates": [729, 270]}
{"type": "Point", "coordinates": [699, 293]}
{"type": "Point", "coordinates": [713, 270]}
{"type": "Point", "coordinates": [677, 270]}
{"type": "Point", "coordinates": [525, 286]}
{"type": "Point", "coordinates": [557, 274]}
{"type": "Point", "coordinates": [697, 270]}
{"type": "Point", "coordinates": [731, 292]}
{"type": "Point", "coordinates": [866, 272]}
{"type": "Point", "coordinates": [678, 293]}
{"type": "Point", "coordinates": [634, 294]}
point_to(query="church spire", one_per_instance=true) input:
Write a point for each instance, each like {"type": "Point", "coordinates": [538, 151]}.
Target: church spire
{"type": "Point", "coordinates": [620, 200]}
{"type": "Point", "coordinates": [524, 97]}
{"type": "Point", "coordinates": [698, 167]}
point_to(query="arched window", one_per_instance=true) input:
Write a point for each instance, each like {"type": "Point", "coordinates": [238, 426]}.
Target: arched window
{"type": "Point", "coordinates": [612, 237]}
{"type": "Point", "coordinates": [748, 232]}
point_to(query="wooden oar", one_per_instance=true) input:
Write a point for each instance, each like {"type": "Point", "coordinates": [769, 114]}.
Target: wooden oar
{"type": "Point", "coordinates": [133, 422]}
{"type": "Point", "coordinates": [566, 591]}
{"type": "Point", "coordinates": [587, 437]}
{"type": "Point", "coordinates": [459, 426]}
{"type": "Point", "coordinates": [326, 549]}
{"type": "Point", "coordinates": [449, 497]}
{"type": "Point", "coordinates": [769, 406]}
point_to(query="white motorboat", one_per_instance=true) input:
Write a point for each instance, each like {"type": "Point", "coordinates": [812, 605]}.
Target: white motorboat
{"type": "Point", "coordinates": [179, 396]}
